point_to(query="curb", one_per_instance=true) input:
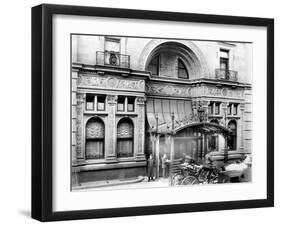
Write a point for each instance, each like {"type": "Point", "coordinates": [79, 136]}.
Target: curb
{"type": "Point", "coordinates": [108, 183]}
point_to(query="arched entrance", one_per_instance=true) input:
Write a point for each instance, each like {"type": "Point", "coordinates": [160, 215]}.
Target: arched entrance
{"type": "Point", "coordinates": [192, 139]}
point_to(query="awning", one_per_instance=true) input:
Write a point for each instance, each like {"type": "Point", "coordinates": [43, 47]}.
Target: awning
{"type": "Point", "coordinates": [163, 109]}
{"type": "Point", "coordinates": [205, 127]}
{"type": "Point", "coordinates": [183, 117]}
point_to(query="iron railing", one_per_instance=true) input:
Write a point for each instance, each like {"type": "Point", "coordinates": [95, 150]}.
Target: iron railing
{"type": "Point", "coordinates": [223, 74]}
{"type": "Point", "coordinates": [112, 59]}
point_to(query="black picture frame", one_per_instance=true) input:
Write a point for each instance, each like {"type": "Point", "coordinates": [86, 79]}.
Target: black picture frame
{"type": "Point", "coordinates": [42, 111]}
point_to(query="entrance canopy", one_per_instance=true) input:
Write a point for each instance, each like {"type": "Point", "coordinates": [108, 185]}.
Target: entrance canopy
{"type": "Point", "coordinates": [205, 127]}
{"type": "Point", "coordinates": [159, 113]}
{"type": "Point", "coordinates": [159, 116]}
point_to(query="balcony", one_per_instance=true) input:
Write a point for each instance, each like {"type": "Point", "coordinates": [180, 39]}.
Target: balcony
{"type": "Point", "coordinates": [227, 75]}
{"type": "Point", "coordinates": [113, 59]}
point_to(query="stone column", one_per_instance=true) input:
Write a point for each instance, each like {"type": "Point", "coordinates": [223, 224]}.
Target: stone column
{"type": "Point", "coordinates": [140, 155]}
{"type": "Point", "coordinates": [224, 111]}
{"type": "Point", "coordinates": [110, 152]}
{"type": "Point", "coordinates": [80, 137]}
{"type": "Point", "coordinates": [74, 169]}
{"type": "Point", "coordinates": [74, 116]}
{"type": "Point", "coordinates": [157, 155]}
{"type": "Point", "coordinates": [194, 107]}
{"type": "Point", "coordinates": [205, 105]}
{"type": "Point", "coordinates": [241, 121]}
{"type": "Point", "coordinates": [172, 156]}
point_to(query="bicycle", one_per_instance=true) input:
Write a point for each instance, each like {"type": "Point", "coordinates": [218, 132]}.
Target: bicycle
{"type": "Point", "coordinates": [192, 173]}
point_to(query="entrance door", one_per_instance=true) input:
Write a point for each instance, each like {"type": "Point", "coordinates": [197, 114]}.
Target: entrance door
{"type": "Point", "coordinates": [188, 143]}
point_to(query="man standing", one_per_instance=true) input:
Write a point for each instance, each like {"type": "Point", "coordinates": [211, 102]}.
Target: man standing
{"type": "Point", "coordinates": [150, 167]}
{"type": "Point", "coordinates": [164, 165]}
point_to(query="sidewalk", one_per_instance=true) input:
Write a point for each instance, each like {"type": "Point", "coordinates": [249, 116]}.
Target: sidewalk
{"type": "Point", "coordinates": [139, 182]}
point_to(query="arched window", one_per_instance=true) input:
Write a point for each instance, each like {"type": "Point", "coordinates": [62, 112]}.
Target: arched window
{"type": "Point", "coordinates": [232, 138]}
{"type": "Point", "coordinates": [154, 65]}
{"type": "Point", "coordinates": [182, 71]}
{"type": "Point", "coordinates": [95, 139]}
{"type": "Point", "coordinates": [125, 138]}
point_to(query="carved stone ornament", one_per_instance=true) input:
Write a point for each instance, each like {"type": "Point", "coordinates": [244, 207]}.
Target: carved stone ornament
{"type": "Point", "coordinates": [222, 92]}
{"type": "Point", "coordinates": [168, 90]}
{"type": "Point", "coordinates": [81, 97]}
{"type": "Point", "coordinates": [242, 106]}
{"type": "Point", "coordinates": [112, 99]}
{"type": "Point", "coordinates": [141, 100]}
{"type": "Point", "coordinates": [110, 82]}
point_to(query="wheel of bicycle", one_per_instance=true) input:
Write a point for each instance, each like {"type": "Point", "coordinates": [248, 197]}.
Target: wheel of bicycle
{"type": "Point", "coordinates": [189, 180]}
{"type": "Point", "coordinates": [177, 179]}
{"type": "Point", "coordinates": [214, 180]}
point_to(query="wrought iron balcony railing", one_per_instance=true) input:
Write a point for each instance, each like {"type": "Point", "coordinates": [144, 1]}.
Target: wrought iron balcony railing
{"type": "Point", "coordinates": [113, 59]}
{"type": "Point", "coordinates": [223, 74]}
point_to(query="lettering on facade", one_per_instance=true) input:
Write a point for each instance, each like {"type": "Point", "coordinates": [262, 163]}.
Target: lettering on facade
{"type": "Point", "coordinates": [222, 92]}
{"type": "Point", "coordinates": [168, 90]}
{"type": "Point", "coordinates": [110, 83]}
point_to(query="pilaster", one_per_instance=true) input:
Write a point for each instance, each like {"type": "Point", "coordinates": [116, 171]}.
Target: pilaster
{"type": "Point", "coordinates": [241, 129]}
{"type": "Point", "coordinates": [140, 155]}
{"type": "Point", "coordinates": [110, 153]}
{"type": "Point", "coordinates": [80, 152]}
{"type": "Point", "coordinates": [74, 116]}
{"type": "Point", "coordinates": [224, 112]}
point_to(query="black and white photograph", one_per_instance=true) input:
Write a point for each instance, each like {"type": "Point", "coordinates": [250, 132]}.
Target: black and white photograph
{"type": "Point", "coordinates": [157, 112]}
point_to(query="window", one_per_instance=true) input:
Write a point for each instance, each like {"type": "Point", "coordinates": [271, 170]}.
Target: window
{"type": "Point", "coordinates": [126, 104]}
{"type": "Point", "coordinates": [131, 104]}
{"type": "Point", "coordinates": [235, 109]}
{"type": "Point", "coordinates": [229, 109]}
{"type": "Point", "coordinates": [210, 109]}
{"type": "Point", "coordinates": [90, 101]}
{"type": "Point", "coordinates": [112, 45]}
{"type": "Point", "coordinates": [182, 72]}
{"type": "Point", "coordinates": [95, 103]}
{"type": "Point", "coordinates": [121, 103]}
{"type": "Point", "coordinates": [125, 138]}
{"type": "Point", "coordinates": [214, 108]}
{"type": "Point", "coordinates": [217, 108]}
{"type": "Point", "coordinates": [95, 139]}
{"type": "Point", "coordinates": [224, 59]}
{"type": "Point", "coordinates": [112, 51]}
{"type": "Point", "coordinates": [232, 109]}
{"type": "Point", "coordinates": [101, 103]}
{"type": "Point", "coordinates": [224, 62]}
{"type": "Point", "coordinates": [154, 65]}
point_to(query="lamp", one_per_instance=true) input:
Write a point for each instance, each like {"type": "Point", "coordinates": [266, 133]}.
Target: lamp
{"type": "Point", "coordinates": [201, 113]}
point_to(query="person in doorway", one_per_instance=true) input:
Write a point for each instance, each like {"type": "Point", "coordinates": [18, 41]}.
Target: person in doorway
{"type": "Point", "coordinates": [164, 165]}
{"type": "Point", "coordinates": [150, 167]}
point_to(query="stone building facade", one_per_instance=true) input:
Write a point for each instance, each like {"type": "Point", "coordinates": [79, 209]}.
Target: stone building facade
{"type": "Point", "coordinates": [130, 96]}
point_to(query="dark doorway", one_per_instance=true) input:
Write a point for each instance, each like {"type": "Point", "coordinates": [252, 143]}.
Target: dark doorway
{"type": "Point", "coordinates": [232, 138]}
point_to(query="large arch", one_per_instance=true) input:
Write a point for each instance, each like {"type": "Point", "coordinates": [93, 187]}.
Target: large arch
{"type": "Point", "coordinates": [194, 58]}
